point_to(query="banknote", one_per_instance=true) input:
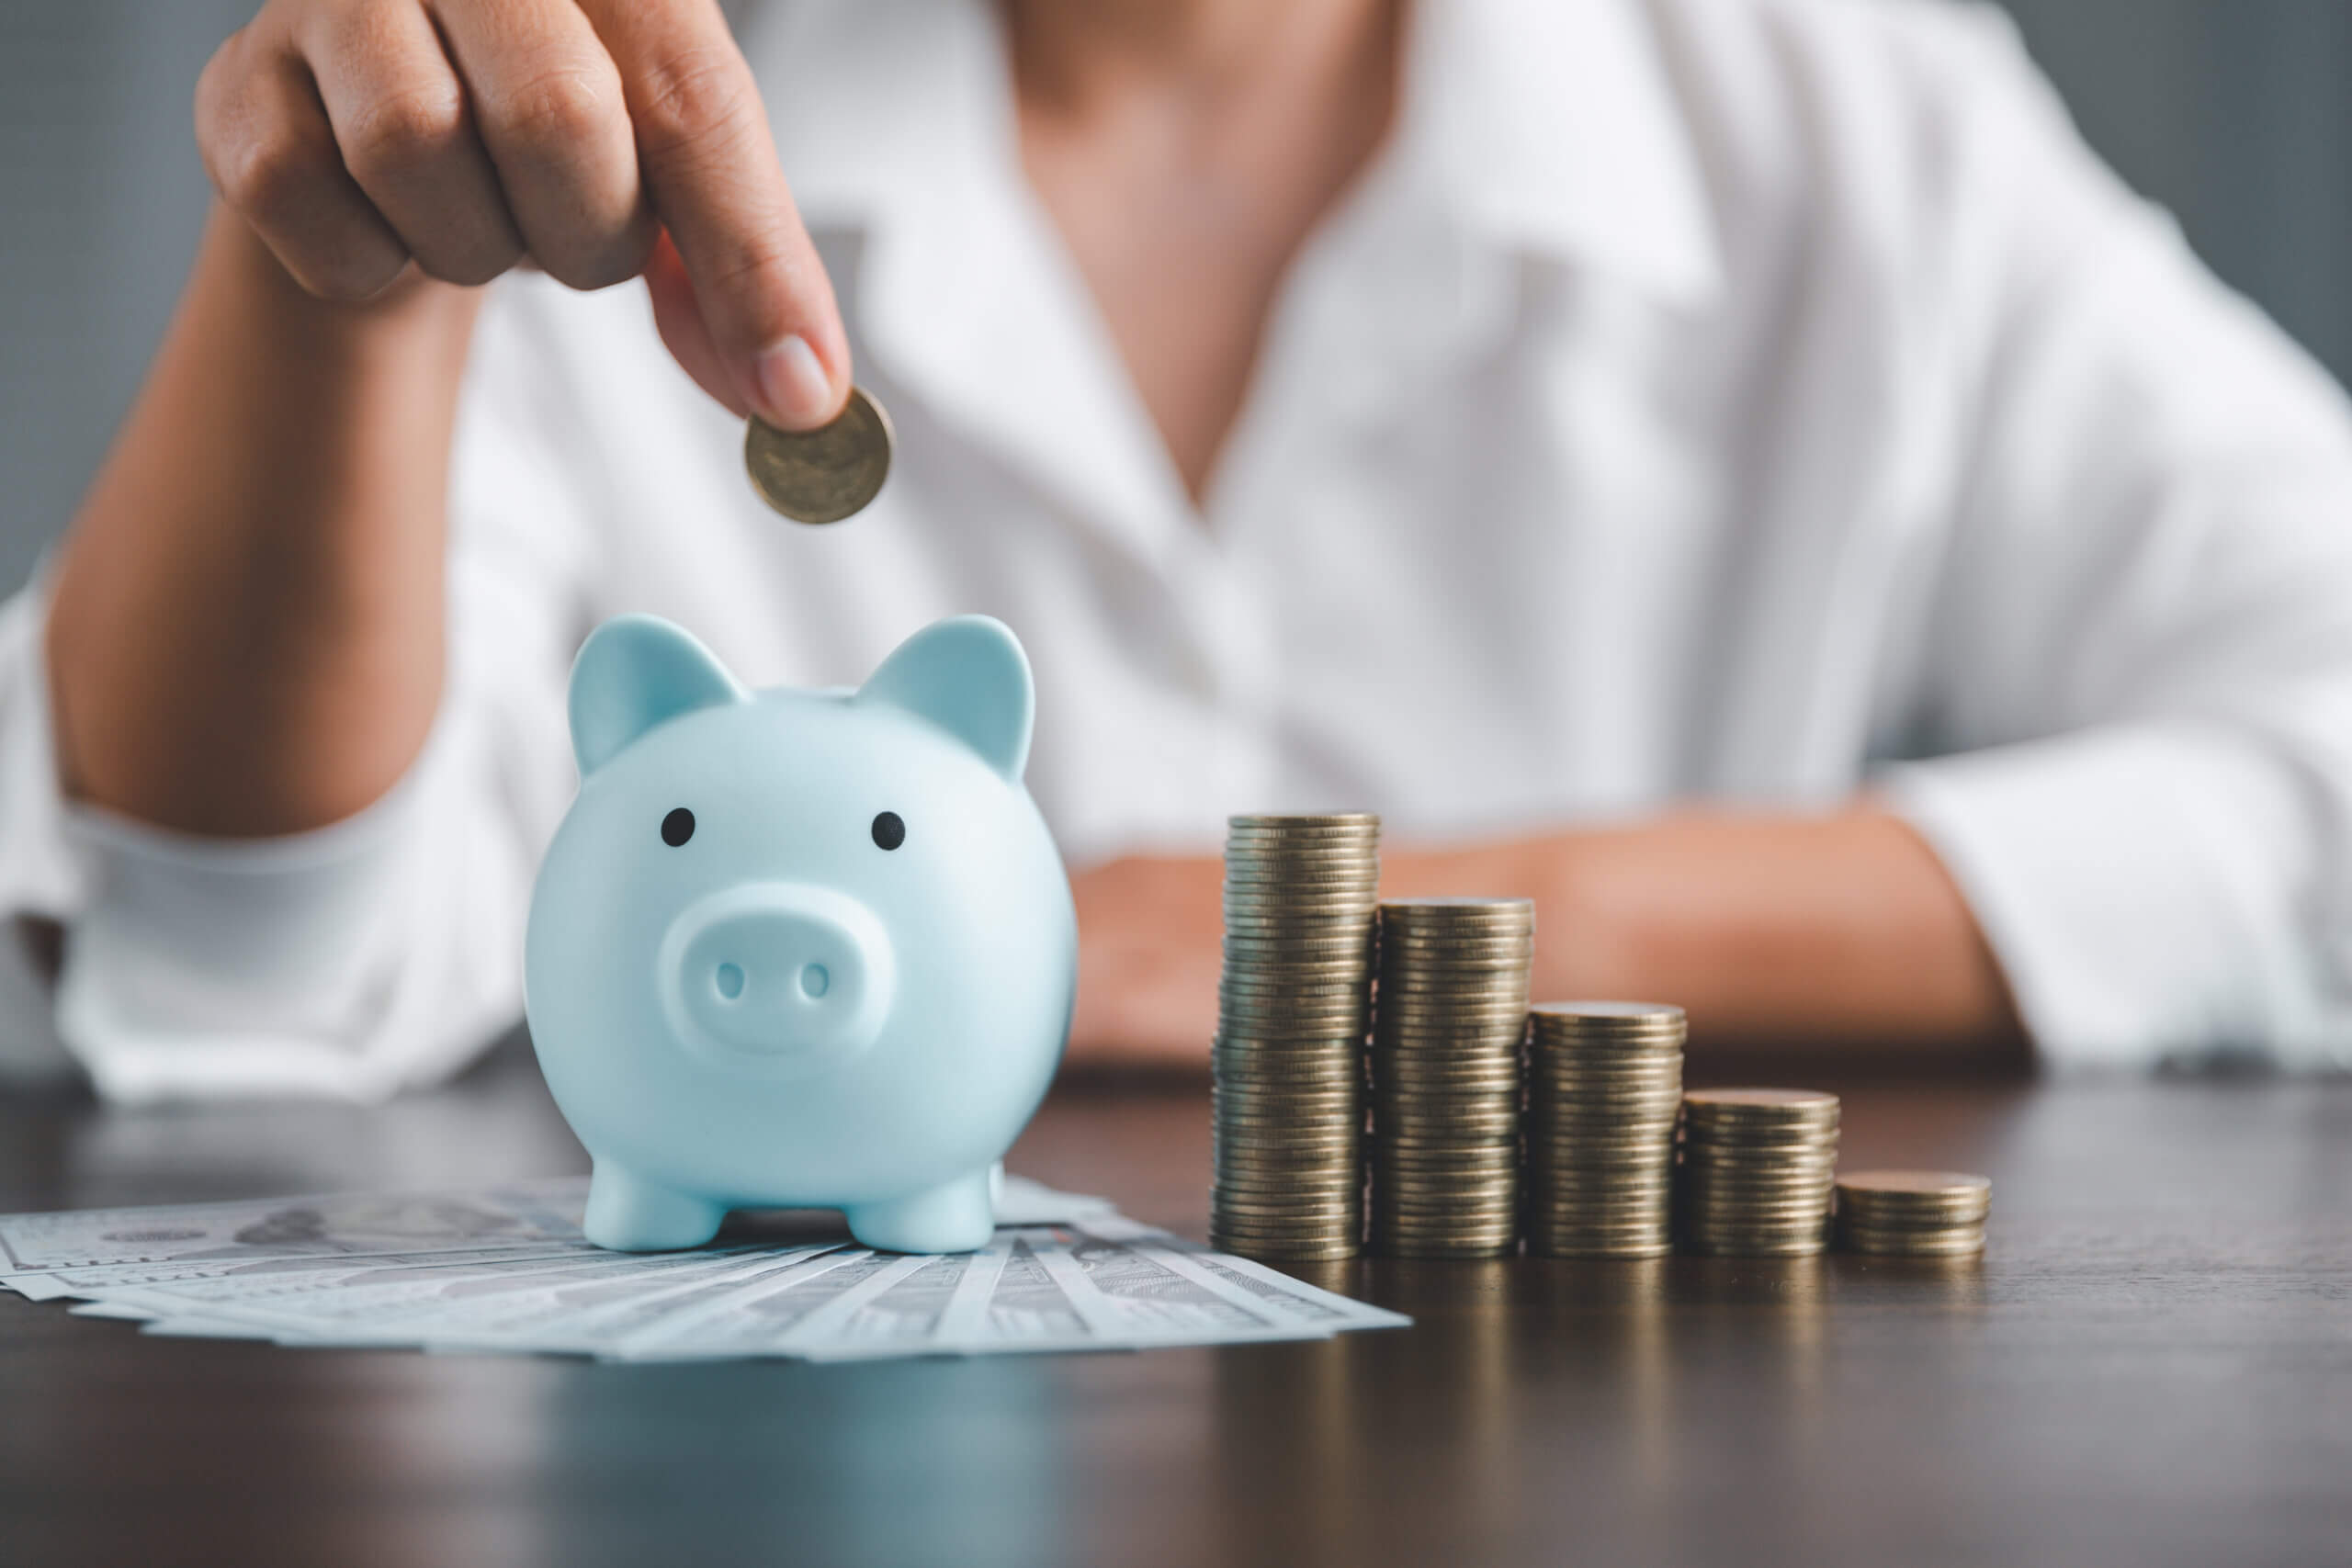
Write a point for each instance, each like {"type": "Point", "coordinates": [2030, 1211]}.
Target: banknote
{"type": "Point", "coordinates": [345, 1225]}
{"type": "Point", "coordinates": [1033, 1289]}
{"type": "Point", "coordinates": [38, 1251]}
{"type": "Point", "coordinates": [761, 1317]}
{"type": "Point", "coordinates": [132, 1275]}
{"type": "Point", "coordinates": [128, 1276]}
{"type": "Point", "coordinates": [596, 1321]}
{"type": "Point", "coordinates": [572, 1310]}
{"type": "Point", "coordinates": [352, 1300]}
{"type": "Point", "coordinates": [503, 1269]}
{"type": "Point", "coordinates": [1043, 1289]}
{"type": "Point", "coordinates": [1307, 1302]}
{"type": "Point", "coordinates": [1005, 1297]}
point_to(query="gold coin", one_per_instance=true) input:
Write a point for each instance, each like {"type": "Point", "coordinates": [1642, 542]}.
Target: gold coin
{"type": "Point", "coordinates": [1956, 1241]}
{"type": "Point", "coordinates": [1768, 1100]}
{"type": "Point", "coordinates": [1611, 1015]}
{"type": "Point", "coordinates": [822, 475]}
{"type": "Point", "coordinates": [1897, 1185]}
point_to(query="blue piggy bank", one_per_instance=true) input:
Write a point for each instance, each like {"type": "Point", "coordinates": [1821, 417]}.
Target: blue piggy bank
{"type": "Point", "coordinates": [799, 947]}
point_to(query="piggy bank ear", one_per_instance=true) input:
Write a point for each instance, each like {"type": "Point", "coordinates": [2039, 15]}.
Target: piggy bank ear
{"type": "Point", "coordinates": [633, 672]}
{"type": "Point", "coordinates": [969, 677]}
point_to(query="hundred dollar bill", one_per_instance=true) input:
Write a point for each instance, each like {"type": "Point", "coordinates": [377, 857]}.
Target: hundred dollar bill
{"type": "Point", "coordinates": [348, 1225]}
{"type": "Point", "coordinates": [98, 1281]}
{"type": "Point", "coordinates": [1139, 1300]}
{"type": "Point", "coordinates": [599, 1322]}
{"type": "Point", "coordinates": [1038, 1289]}
{"type": "Point", "coordinates": [1027, 1292]}
{"type": "Point", "coordinates": [506, 1269]}
{"type": "Point", "coordinates": [1001, 1298]}
{"type": "Point", "coordinates": [532, 1310]}
{"type": "Point", "coordinates": [37, 1250]}
{"type": "Point", "coordinates": [1224, 1271]}
{"type": "Point", "coordinates": [901, 1318]}
{"type": "Point", "coordinates": [369, 1293]}
{"type": "Point", "coordinates": [759, 1318]}
{"type": "Point", "coordinates": [570, 1311]}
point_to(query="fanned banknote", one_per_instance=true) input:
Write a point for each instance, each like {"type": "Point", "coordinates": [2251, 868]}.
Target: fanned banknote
{"type": "Point", "coordinates": [505, 1269]}
{"type": "Point", "coordinates": [42, 1256]}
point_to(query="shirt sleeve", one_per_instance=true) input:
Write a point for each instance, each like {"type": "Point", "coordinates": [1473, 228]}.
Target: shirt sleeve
{"type": "Point", "coordinates": [2141, 649]}
{"type": "Point", "coordinates": [381, 952]}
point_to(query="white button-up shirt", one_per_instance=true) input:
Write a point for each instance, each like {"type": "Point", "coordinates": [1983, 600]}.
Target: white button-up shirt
{"type": "Point", "coordinates": [1757, 401]}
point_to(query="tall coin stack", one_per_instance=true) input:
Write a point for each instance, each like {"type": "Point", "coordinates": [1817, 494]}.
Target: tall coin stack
{"type": "Point", "coordinates": [1293, 1008]}
{"type": "Point", "coordinates": [1755, 1171]}
{"type": "Point", "coordinates": [1914, 1214]}
{"type": "Point", "coordinates": [1604, 1081]}
{"type": "Point", "coordinates": [1448, 1019]}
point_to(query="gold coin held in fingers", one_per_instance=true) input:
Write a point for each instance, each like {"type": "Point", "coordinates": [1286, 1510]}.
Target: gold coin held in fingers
{"type": "Point", "coordinates": [822, 475]}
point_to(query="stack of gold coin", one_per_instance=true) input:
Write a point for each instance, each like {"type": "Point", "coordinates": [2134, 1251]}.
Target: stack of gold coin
{"type": "Point", "coordinates": [1287, 1064]}
{"type": "Point", "coordinates": [1604, 1082]}
{"type": "Point", "coordinates": [1755, 1170]}
{"type": "Point", "coordinates": [1449, 1015]}
{"type": "Point", "coordinates": [1914, 1214]}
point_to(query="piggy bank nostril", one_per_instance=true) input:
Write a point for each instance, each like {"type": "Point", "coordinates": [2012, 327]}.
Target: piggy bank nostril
{"type": "Point", "coordinates": [815, 981]}
{"type": "Point", "coordinates": [729, 980]}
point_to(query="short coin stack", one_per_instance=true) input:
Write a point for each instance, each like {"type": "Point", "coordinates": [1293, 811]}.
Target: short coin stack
{"type": "Point", "coordinates": [1914, 1214]}
{"type": "Point", "coordinates": [1292, 1009]}
{"type": "Point", "coordinates": [1755, 1171]}
{"type": "Point", "coordinates": [1449, 1016]}
{"type": "Point", "coordinates": [1604, 1081]}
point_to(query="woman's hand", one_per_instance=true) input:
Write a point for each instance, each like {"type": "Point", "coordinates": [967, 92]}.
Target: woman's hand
{"type": "Point", "coordinates": [1150, 943]}
{"type": "Point", "coordinates": [1815, 934]}
{"type": "Point", "coordinates": [600, 140]}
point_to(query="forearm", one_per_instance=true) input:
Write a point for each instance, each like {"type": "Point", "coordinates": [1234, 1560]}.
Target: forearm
{"type": "Point", "coordinates": [1773, 931]}
{"type": "Point", "coordinates": [246, 620]}
{"type": "Point", "coordinates": [1802, 932]}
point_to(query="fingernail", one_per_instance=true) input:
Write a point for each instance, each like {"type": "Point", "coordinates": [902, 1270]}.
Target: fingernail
{"type": "Point", "coordinates": [793, 384]}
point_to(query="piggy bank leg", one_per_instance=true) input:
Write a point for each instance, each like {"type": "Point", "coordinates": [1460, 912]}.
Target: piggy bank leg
{"type": "Point", "coordinates": [629, 1213]}
{"type": "Point", "coordinates": [958, 1217]}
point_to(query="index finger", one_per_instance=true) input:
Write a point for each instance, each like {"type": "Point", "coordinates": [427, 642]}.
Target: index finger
{"type": "Point", "coordinates": [708, 161]}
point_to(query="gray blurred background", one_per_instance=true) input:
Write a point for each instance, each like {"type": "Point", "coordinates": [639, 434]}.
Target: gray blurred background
{"type": "Point", "coordinates": [2233, 113]}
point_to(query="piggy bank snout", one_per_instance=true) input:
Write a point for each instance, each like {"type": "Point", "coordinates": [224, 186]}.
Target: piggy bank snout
{"type": "Point", "coordinates": [787, 974]}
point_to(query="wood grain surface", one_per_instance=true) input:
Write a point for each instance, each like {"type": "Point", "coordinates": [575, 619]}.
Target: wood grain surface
{"type": "Point", "coordinates": [2152, 1365]}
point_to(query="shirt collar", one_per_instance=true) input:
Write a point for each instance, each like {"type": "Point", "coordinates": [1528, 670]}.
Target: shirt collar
{"type": "Point", "coordinates": [878, 104]}
{"type": "Point", "coordinates": [1552, 125]}
{"type": "Point", "coordinates": [1536, 126]}
{"type": "Point", "coordinates": [895, 122]}
{"type": "Point", "coordinates": [1549, 126]}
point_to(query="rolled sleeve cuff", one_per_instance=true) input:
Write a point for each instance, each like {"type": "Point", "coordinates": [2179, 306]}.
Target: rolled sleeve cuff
{"type": "Point", "coordinates": [2138, 887]}
{"type": "Point", "coordinates": [39, 874]}
{"type": "Point", "coordinates": [203, 968]}
{"type": "Point", "coordinates": [345, 963]}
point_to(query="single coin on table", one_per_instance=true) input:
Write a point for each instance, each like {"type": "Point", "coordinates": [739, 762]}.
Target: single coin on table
{"type": "Point", "coordinates": [826, 474]}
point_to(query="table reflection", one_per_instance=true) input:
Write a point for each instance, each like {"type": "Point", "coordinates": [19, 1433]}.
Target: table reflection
{"type": "Point", "coordinates": [1637, 1374]}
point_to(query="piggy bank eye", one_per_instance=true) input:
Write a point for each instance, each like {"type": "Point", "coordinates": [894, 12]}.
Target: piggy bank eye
{"type": "Point", "coordinates": [678, 827]}
{"type": "Point", "coordinates": [888, 830]}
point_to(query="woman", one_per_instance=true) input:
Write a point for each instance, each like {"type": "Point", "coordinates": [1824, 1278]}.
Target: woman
{"type": "Point", "coordinates": [1734, 471]}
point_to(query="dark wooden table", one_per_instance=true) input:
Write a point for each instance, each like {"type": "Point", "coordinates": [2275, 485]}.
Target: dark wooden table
{"type": "Point", "coordinates": [2153, 1365]}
